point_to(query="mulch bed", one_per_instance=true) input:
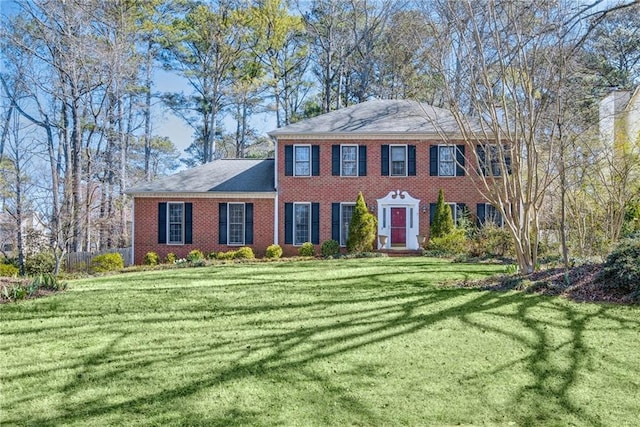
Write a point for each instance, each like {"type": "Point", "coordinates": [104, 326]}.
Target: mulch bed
{"type": "Point", "coordinates": [583, 285]}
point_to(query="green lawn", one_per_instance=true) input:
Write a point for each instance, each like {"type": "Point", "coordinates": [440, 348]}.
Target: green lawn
{"type": "Point", "coordinates": [345, 342]}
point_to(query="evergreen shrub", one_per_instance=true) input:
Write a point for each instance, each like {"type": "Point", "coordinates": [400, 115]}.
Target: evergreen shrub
{"type": "Point", "coordinates": [107, 262]}
{"type": "Point", "coordinates": [273, 251]}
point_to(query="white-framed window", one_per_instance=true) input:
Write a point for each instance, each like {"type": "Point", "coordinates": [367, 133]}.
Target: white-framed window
{"type": "Point", "coordinates": [175, 223]}
{"type": "Point", "coordinates": [349, 160]}
{"type": "Point", "coordinates": [398, 160]}
{"type": "Point", "coordinates": [235, 224]}
{"type": "Point", "coordinates": [346, 213]}
{"type": "Point", "coordinates": [492, 215]}
{"type": "Point", "coordinates": [301, 223]}
{"type": "Point", "coordinates": [454, 212]}
{"type": "Point", "coordinates": [302, 160]}
{"type": "Point", "coordinates": [490, 161]}
{"type": "Point", "coordinates": [446, 160]}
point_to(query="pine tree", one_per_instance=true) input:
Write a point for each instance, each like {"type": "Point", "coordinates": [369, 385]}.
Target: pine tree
{"type": "Point", "coordinates": [362, 229]}
{"type": "Point", "coordinates": [442, 220]}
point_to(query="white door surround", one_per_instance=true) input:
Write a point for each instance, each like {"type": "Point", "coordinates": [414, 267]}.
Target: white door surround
{"type": "Point", "coordinates": [399, 199]}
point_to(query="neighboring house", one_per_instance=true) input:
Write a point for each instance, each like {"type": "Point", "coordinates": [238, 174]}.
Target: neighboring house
{"type": "Point", "coordinates": [620, 118]}
{"type": "Point", "coordinates": [397, 153]}
{"type": "Point", "coordinates": [34, 231]}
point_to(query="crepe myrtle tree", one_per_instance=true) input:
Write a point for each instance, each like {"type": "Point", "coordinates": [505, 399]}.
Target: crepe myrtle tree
{"type": "Point", "coordinates": [504, 69]}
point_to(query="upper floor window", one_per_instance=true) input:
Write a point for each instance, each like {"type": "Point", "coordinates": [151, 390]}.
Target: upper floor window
{"type": "Point", "coordinates": [398, 158]}
{"type": "Point", "coordinates": [349, 160]}
{"type": "Point", "coordinates": [492, 160]}
{"type": "Point", "coordinates": [446, 160]}
{"type": "Point", "coordinates": [302, 160]}
{"type": "Point", "coordinates": [175, 223]}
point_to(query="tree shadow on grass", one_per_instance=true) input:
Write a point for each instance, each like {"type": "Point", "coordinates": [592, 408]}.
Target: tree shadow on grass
{"type": "Point", "coordinates": [349, 319]}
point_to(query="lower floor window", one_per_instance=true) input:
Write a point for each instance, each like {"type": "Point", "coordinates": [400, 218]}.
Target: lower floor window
{"type": "Point", "coordinates": [346, 213]}
{"type": "Point", "coordinates": [492, 215]}
{"type": "Point", "coordinates": [176, 222]}
{"type": "Point", "coordinates": [302, 223]}
{"type": "Point", "coordinates": [236, 223]}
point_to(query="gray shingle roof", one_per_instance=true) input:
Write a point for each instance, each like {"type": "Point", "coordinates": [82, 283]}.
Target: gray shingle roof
{"type": "Point", "coordinates": [377, 117]}
{"type": "Point", "coordinates": [222, 176]}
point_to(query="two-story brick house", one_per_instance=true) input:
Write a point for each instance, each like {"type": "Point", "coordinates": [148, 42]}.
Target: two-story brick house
{"type": "Point", "coordinates": [399, 154]}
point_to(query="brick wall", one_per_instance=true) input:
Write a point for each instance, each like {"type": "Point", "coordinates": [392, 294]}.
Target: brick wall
{"type": "Point", "coordinates": [205, 226]}
{"type": "Point", "coordinates": [327, 189]}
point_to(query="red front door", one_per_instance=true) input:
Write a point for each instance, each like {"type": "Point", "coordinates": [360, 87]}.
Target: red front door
{"type": "Point", "coordinates": [398, 226]}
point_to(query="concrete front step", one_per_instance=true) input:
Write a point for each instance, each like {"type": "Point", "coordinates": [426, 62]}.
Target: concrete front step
{"type": "Point", "coordinates": [401, 252]}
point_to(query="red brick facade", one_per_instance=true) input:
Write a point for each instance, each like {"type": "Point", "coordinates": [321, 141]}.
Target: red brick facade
{"type": "Point", "coordinates": [205, 217]}
{"type": "Point", "coordinates": [324, 189]}
{"type": "Point", "coordinates": [327, 189]}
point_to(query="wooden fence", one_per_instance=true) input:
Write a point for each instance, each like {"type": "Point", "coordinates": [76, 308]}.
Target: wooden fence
{"type": "Point", "coordinates": [81, 261]}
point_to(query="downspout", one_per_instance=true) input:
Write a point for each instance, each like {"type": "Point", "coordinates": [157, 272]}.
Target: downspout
{"type": "Point", "coordinates": [133, 229]}
{"type": "Point", "coordinates": [275, 183]}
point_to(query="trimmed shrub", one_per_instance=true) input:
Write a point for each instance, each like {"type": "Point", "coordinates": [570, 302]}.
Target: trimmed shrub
{"type": "Point", "coordinates": [453, 243]}
{"type": "Point", "coordinates": [195, 256]}
{"type": "Point", "coordinates": [170, 258]}
{"type": "Point", "coordinates": [330, 248]}
{"type": "Point", "coordinates": [622, 268]}
{"type": "Point", "coordinates": [442, 220]}
{"type": "Point", "coordinates": [212, 255]}
{"type": "Point", "coordinates": [226, 255]}
{"type": "Point", "coordinates": [244, 252]}
{"type": "Point", "coordinates": [492, 241]}
{"type": "Point", "coordinates": [40, 263]}
{"type": "Point", "coordinates": [8, 270]}
{"type": "Point", "coordinates": [362, 229]}
{"type": "Point", "coordinates": [151, 258]}
{"type": "Point", "coordinates": [107, 262]}
{"type": "Point", "coordinates": [273, 251]}
{"type": "Point", "coordinates": [307, 249]}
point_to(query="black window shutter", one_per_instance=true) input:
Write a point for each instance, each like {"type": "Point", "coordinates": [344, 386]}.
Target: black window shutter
{"type": "Point", "coordinates": [315, 223]}
{"type": "Point", "coordinates": [188, 223]}
{"type": "Point", "coordinates": [248, 223]}
{"type": "Point", "coordinates": [411, 170]}
{"type": "Point", "coordinates": [459, 160]}
{"type": "Point", "coordinates": [335, 221]}
{"type": "Point", "coordinates": [362, 160]}
{"type": "Point", "coordinates": [288, 160]}
{"type": "Point", "coordinates": [288, 223]}
{"type": "Point", "coordinates": [433, 160]}
{"type": "Point", "coordinates": [162, 223]}
{"type": "Point", "coordinates": [507, 160]}
{"type": "Point", "coordinates": [222, 223]}
{"type": "Point", "coordinates": [315, 160]}
{"type": "Point", "coordinates": [335, 160]}
{"type": "Point", "coordinates": [384, 156]}
{"type": "Point", "coordinates": [482, 160]}
{"type": "Point", "coordinates": [481, 213]}
{"type": "Point", "coordinates": [432, 212]}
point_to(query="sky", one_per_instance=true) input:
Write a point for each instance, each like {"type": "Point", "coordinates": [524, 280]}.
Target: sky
{"type": "Point", "coordinates": [167, 124]}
